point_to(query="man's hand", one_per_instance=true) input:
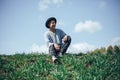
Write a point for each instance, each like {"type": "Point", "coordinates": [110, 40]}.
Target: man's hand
{"type": "Point", "coordinates": [65, 38]}
{"type": "Point", "coordinates": [57, 47]}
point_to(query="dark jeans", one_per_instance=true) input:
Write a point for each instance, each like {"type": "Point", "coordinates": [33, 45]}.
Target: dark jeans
{"type": "Point", "coordinates": [63, 48]}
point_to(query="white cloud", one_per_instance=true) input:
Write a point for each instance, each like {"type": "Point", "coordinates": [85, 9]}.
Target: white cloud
{"type": "Point", "coordinates": [81, 47]}
{"type": "Point", "coordinates": [44, 4]}
{"type": "Point", "coordinates": [61, 23]}
{"type": "Point", "coordinates": [115, 41]}
{"type": "Point", "coordinates": [38, 48]}
{"type": "Point", "coordinates": [88, 26]}
{"type": "Point", "coordinates": [102, 4]}
{"type": "Point", "coordinates": [74, 48]}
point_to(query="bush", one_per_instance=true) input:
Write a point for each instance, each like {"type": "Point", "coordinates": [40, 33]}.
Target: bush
{"type": "Point", "coordinates": [116, 49]}
{"type": "Point", "coordinates": [110, 50]}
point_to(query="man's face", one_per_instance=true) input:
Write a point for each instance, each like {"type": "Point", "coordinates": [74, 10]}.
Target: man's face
{"type": "Point", "coordinates": [52, 24]}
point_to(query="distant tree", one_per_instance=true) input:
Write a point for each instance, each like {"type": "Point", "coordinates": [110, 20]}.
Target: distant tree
{"type": "Point", "coordinates": [88, 52]}
{"type": "Point", "coordinates": [110, 50]}
{"type": "Point", "coordinates": [102, 50]}
{"type": "Point", "coordinates": [80, 54]}
{"type": "Point", "coordinates": [96, 51]}
{"type": "Point", "coordinates": [116, 49]}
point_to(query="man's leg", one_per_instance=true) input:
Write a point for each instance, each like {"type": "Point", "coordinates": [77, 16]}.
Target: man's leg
{"type": "Point", "coordinates": [65, 46]}
{"type": "Point", "coordinates": [53, 52]}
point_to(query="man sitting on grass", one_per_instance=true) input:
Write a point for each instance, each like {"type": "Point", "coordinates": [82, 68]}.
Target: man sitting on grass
{"type": "Point", "coordinates": [56, 39]}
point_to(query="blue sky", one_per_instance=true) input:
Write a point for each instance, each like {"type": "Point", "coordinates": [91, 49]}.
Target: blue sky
{"type": "Point", "coordinates": [90, 23]}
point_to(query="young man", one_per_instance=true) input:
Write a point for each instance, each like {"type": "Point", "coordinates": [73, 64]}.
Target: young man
{"type": "Point", "coordinates": [57, 40]}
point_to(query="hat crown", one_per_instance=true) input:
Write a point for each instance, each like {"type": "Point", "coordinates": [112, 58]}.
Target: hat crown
{"type": "Point", "coordinates": [49, 20]}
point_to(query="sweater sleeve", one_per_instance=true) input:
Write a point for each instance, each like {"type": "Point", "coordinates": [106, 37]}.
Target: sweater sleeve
{"type": "Point", "coordinates": [62, 33]}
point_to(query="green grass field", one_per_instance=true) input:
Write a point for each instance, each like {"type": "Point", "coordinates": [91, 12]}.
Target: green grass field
{"type": "Point", "coordinates": [73, 67]}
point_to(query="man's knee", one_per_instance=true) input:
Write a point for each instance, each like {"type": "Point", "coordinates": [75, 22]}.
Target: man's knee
{"type": "Point", "coordinates": [68, 38]}
{"type": "Point", "coordinates": [51, 47]}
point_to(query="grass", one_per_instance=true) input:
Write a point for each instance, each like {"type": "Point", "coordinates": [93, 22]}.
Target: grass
{"type": "Point", "coordinates": [73, 67]}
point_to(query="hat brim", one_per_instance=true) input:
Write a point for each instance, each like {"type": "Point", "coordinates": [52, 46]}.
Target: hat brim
{"type": "Point", "coordinates": [49, 20]}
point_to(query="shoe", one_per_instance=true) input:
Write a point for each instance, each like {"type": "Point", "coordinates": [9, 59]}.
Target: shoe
{"type": "Point", "coordinates": [54, 58]}
{"type": "Point", "coordinates": [56, 61]}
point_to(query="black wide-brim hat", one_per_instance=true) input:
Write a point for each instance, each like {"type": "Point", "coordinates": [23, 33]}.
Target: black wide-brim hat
{"type": "Point", "coordinates": [49, 20]}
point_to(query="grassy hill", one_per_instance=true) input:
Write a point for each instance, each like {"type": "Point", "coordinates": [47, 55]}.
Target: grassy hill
{"type": "Point", "coordinates": [73, 67]}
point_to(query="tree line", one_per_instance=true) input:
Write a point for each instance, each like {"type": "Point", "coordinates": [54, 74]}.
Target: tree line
{"type": "Point", "coordinates": [109, 50]}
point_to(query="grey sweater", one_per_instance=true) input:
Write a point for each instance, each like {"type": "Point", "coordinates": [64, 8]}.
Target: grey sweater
{"type": "Point", "coordinates": [51, 38]}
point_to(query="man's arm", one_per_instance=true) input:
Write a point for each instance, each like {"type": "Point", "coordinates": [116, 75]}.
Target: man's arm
{"type": "Point", "coordinates": [47, 40]}
{"type": "Point", "coordinates": [64, 36]}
